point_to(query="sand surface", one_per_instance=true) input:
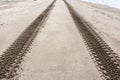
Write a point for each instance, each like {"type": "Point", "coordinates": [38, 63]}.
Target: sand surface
{"type": "Point", "coordinates": [105, 21]}
{"type": "Point", "coordinates": [58, 51]}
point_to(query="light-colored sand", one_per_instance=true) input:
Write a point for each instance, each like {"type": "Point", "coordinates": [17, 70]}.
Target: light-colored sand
{"type": "Point", "coordinates": [15, 19]}
{"type": "Point", "coordinates": [58, 52]}
{"type": "Point", "coordinates": [105, 20]}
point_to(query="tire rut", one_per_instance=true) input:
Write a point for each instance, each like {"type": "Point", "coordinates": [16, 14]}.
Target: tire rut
{"type": "Point", "coordinates": [107, 62]}
{"type": "Point", "coordinates": [11, 59]}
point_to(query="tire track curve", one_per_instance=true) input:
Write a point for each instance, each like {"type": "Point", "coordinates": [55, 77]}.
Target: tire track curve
{"type": "Point", "coordinates": [11, 59]}
{"type": "Point", "coordinates": [107, 62]}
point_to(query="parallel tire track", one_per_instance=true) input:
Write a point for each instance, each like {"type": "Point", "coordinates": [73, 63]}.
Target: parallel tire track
{"type": "Point", "coordinates": [11, 59]}
{"type": "Point", "coordinates": [105, 59]}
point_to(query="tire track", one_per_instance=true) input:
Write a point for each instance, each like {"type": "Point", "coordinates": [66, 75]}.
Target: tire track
{"type": "Point", "coordinates": [11, 59]}
{"type": "Point", "coordinates": [107, 62]}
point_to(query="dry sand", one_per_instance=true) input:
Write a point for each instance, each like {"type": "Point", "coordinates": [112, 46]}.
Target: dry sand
{"type": "Point", "coordinates": [105, 20]}
{"type": "Point", "coordinates": [58, 52]}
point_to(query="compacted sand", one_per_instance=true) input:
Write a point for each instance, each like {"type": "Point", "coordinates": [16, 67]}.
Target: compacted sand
{"type": "Point", "coordinates": [58, 51]}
